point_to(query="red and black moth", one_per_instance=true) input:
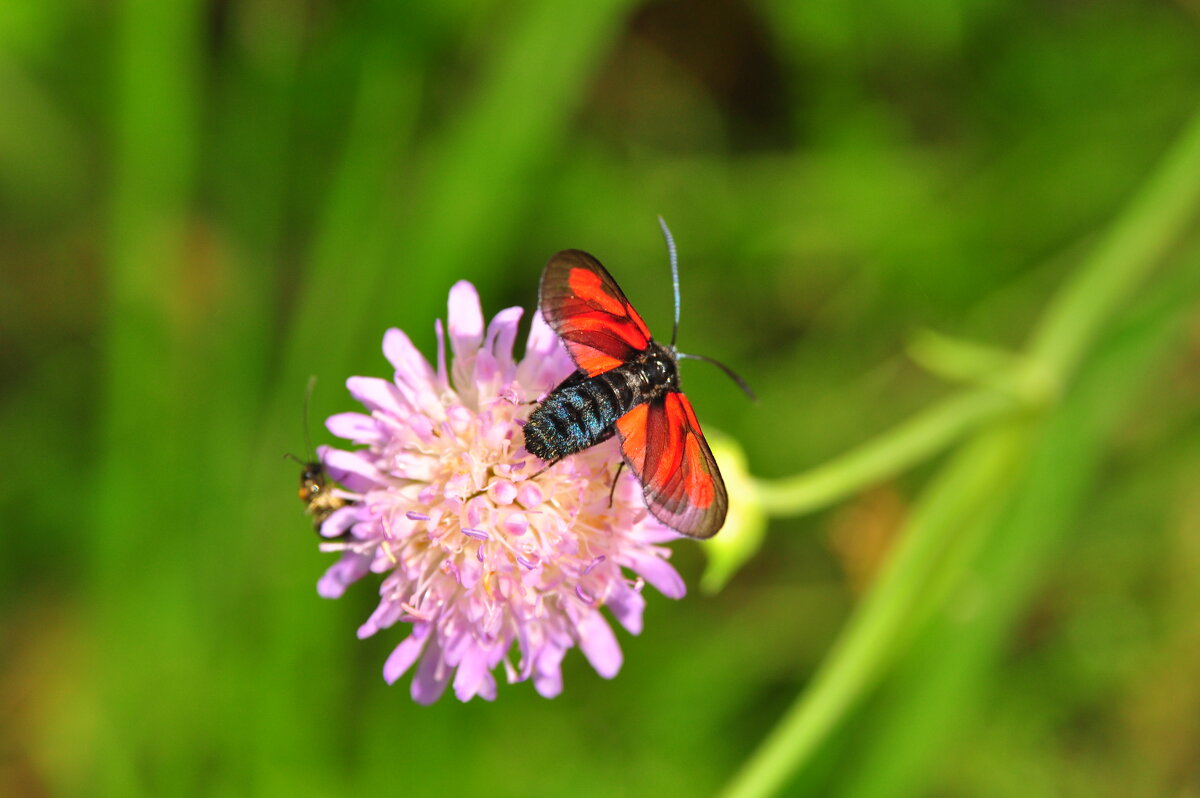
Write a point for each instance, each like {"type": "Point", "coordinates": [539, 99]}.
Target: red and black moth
{"type": "Point", "coordinates": [626, 384]}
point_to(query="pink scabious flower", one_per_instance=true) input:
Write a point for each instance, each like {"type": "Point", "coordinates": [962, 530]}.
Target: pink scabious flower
{"type": "Point", "coordinates": [479, 548]}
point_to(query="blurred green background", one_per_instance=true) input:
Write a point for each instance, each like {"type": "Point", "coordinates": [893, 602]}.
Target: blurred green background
{"type": "Point", "coordinates": [204, 203]}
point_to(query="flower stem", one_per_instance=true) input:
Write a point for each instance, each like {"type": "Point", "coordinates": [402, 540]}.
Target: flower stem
{"type": "Point", "coordinates": [979, 475]}
{"type": "Point", "coordinates": [911, 442]}
{"type": "Point", "coordinates": [1154, 220]}
{"type": "Point", "coordinates": [871, 637]}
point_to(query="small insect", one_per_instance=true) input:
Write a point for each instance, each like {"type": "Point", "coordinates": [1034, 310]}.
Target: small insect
{"type": "Point", "coordinates": [316, 492]}
{"type": "Point", "coordinates": [626, 384]}
{"type": "Point", "coordinates": [315, 487]}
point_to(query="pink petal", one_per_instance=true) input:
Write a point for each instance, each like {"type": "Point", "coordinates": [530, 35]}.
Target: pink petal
{"type": "Point", "coordinates": [377, 394]}
{"type": "Point", "coordinates": [386, 614]}
{"type": "Point", "coordinates": [487, 373]}
{"type": "Point", "coordinates": [626, 606]}
{"type": "Point", "coordinates": [465, 320]}
{"type": "Point", "coordinates": [487, 687]}
{"type": "Point", "coordinates": [542, 340]}
{"type": "Point", "coordinates": [547, 674]}
{"type": "Point", "coordinates": [470, 675]}
{"type": "Point", "coordinates": [352, 469]}
{"type": "Point", "coordinates": [443, 378]}
{"type": "Point", "coordinates": [516, 524]}
{"type": "Point", "coordinates": [657, 572]}
{"type": "Point", "coordinates": [502, 491]}
{"type": "Point", "coordinates": [340, 520]}
{"type": "Point", "coordinates": [501, 334]}
{"type": "Point", "coordinates": [546, 362]}
{"type": "Point", "coordinates": [405, 654]}
{"type": "Point", "coordinates": [529, 495]}
{"type": "Point", "coordinates": [410, 365]}
{"type": "Point", "coordinates": [432, 676]}
{"type": "Point", "coordinates": [346, 571]}
{"type": "Point", "coordinates": [653, 531]}
{"type": "Point", "coordinates": [356, 427]}
{"type": "Point", "coordinates": [599, 644]}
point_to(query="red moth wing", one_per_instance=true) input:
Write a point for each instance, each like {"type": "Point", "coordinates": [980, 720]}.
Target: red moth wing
{"type": "Point", "coordinates": [662, 442]}
{"type": "Point", "coordinates": [583, 304]}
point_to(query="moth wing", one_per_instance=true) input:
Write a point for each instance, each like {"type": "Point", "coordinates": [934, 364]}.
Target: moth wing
{"type": "Point", "coordinates": [663, 445]}
{"type": "Point", "coordinates": [583, 304]}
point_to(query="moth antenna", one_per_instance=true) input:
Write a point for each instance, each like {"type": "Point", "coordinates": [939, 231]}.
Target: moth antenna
{"type": "Point", "coordinates": [733, 375]}
{"type": "Point", "coordinates": [290, 456]}
{"type": "Point", "coordinates": [674, 274]}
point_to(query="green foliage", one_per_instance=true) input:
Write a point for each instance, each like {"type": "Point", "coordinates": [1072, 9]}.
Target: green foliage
{"type": "Point", "coordinates": [203, 204]}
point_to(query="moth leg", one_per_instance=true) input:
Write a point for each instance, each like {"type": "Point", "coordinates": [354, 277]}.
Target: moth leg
{"type": "Point", "coordinates": [613, 490]}
{"type": "Point", "coordinates": [544, 469]}
{"type": "Point", "coordinates": [575, 378]}
{"type": "Point", "coordinates": [541, 471]}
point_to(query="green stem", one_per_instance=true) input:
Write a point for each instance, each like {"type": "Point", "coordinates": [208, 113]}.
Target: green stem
{"type": "Point", "coordinates": [1154, 220]}
{"type": "Point", "coordinates": [871, 640]}
{"type": "Point", "coordinates": [944, 671]}
{"type": "Point", "coordinates": [911, 442]}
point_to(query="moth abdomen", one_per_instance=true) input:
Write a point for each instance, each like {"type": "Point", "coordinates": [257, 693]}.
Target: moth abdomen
{"type": "Point", "coordinates": [577, 414]}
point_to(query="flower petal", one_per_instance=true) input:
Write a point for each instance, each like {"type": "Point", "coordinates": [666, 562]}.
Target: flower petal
{"type": "Point", "coordinates": [353, 469]}
{"type": "Point", "coordinates": [501, 334]}
{"type": "Point", "coordinates": [487, 375]}
{"type": "Point", "coordinates": [340, 520]}
{"type": "Point", "coordinates": [386, 614]}
{"type": "Point", "coordinates": [346, 571]}
{"type": "Point", "coordinates": [626, 605]}
{"type": "Point", "coordinates": [357, 427]}
{"type": "Point", "coordinates": [415, 379]}
{"type": "Point", "coordinates": [378, 395]}
{"type": "Point", "coordinates": [432, 675]}
{"type": "Point", "coordinates": [657, 572]}
{"type": "Point", "coordinates": [546, 362]}
{"type": "Point", "coordinates": [542, 339]}
{"type": "Point", "coordinates": [599, 644]}
{"type": "Point", "coordinates": [443, 377]}
{"type": "Point", "coordinates": [547, 673]}
{"type": "Point", "coordinates": [465, 320]}
{"type": "Point", "coordinates": [487, 686]}
{"type": "Point", "coordinates": [471, 674]}
{"type": "Point", "coordinates": [405, 654]}
{"type": "Point", "coordinates": [406, 359]}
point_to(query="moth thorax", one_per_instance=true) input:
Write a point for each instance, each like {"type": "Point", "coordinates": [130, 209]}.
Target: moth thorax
{"type": "Point", "coordinates": [658, 369]}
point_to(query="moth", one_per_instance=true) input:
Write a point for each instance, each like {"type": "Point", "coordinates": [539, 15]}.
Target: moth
{"type": "Point", "coordinates": [626, 384]}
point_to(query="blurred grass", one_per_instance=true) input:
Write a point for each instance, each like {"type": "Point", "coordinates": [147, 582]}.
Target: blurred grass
{"type": "Point", "coordinates": [202, 204]}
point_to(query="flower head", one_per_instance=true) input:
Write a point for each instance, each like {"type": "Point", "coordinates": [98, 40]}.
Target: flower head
{"type": "Point", "coordinates": [479, 547]}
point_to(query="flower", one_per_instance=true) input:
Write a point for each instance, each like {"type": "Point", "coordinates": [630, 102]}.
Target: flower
{"type": "Point", "coordinates": [481, 546]}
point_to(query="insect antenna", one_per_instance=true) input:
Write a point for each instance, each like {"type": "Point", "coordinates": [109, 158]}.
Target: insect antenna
{"type": "Point", "coordinates": [733, 375]}
{"type": "Point", "coordinates": [308, 448]}
{"type": "Point", "coordinates": [308, 391]}
{"type": "Point", "coordinates": [674, 274]}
